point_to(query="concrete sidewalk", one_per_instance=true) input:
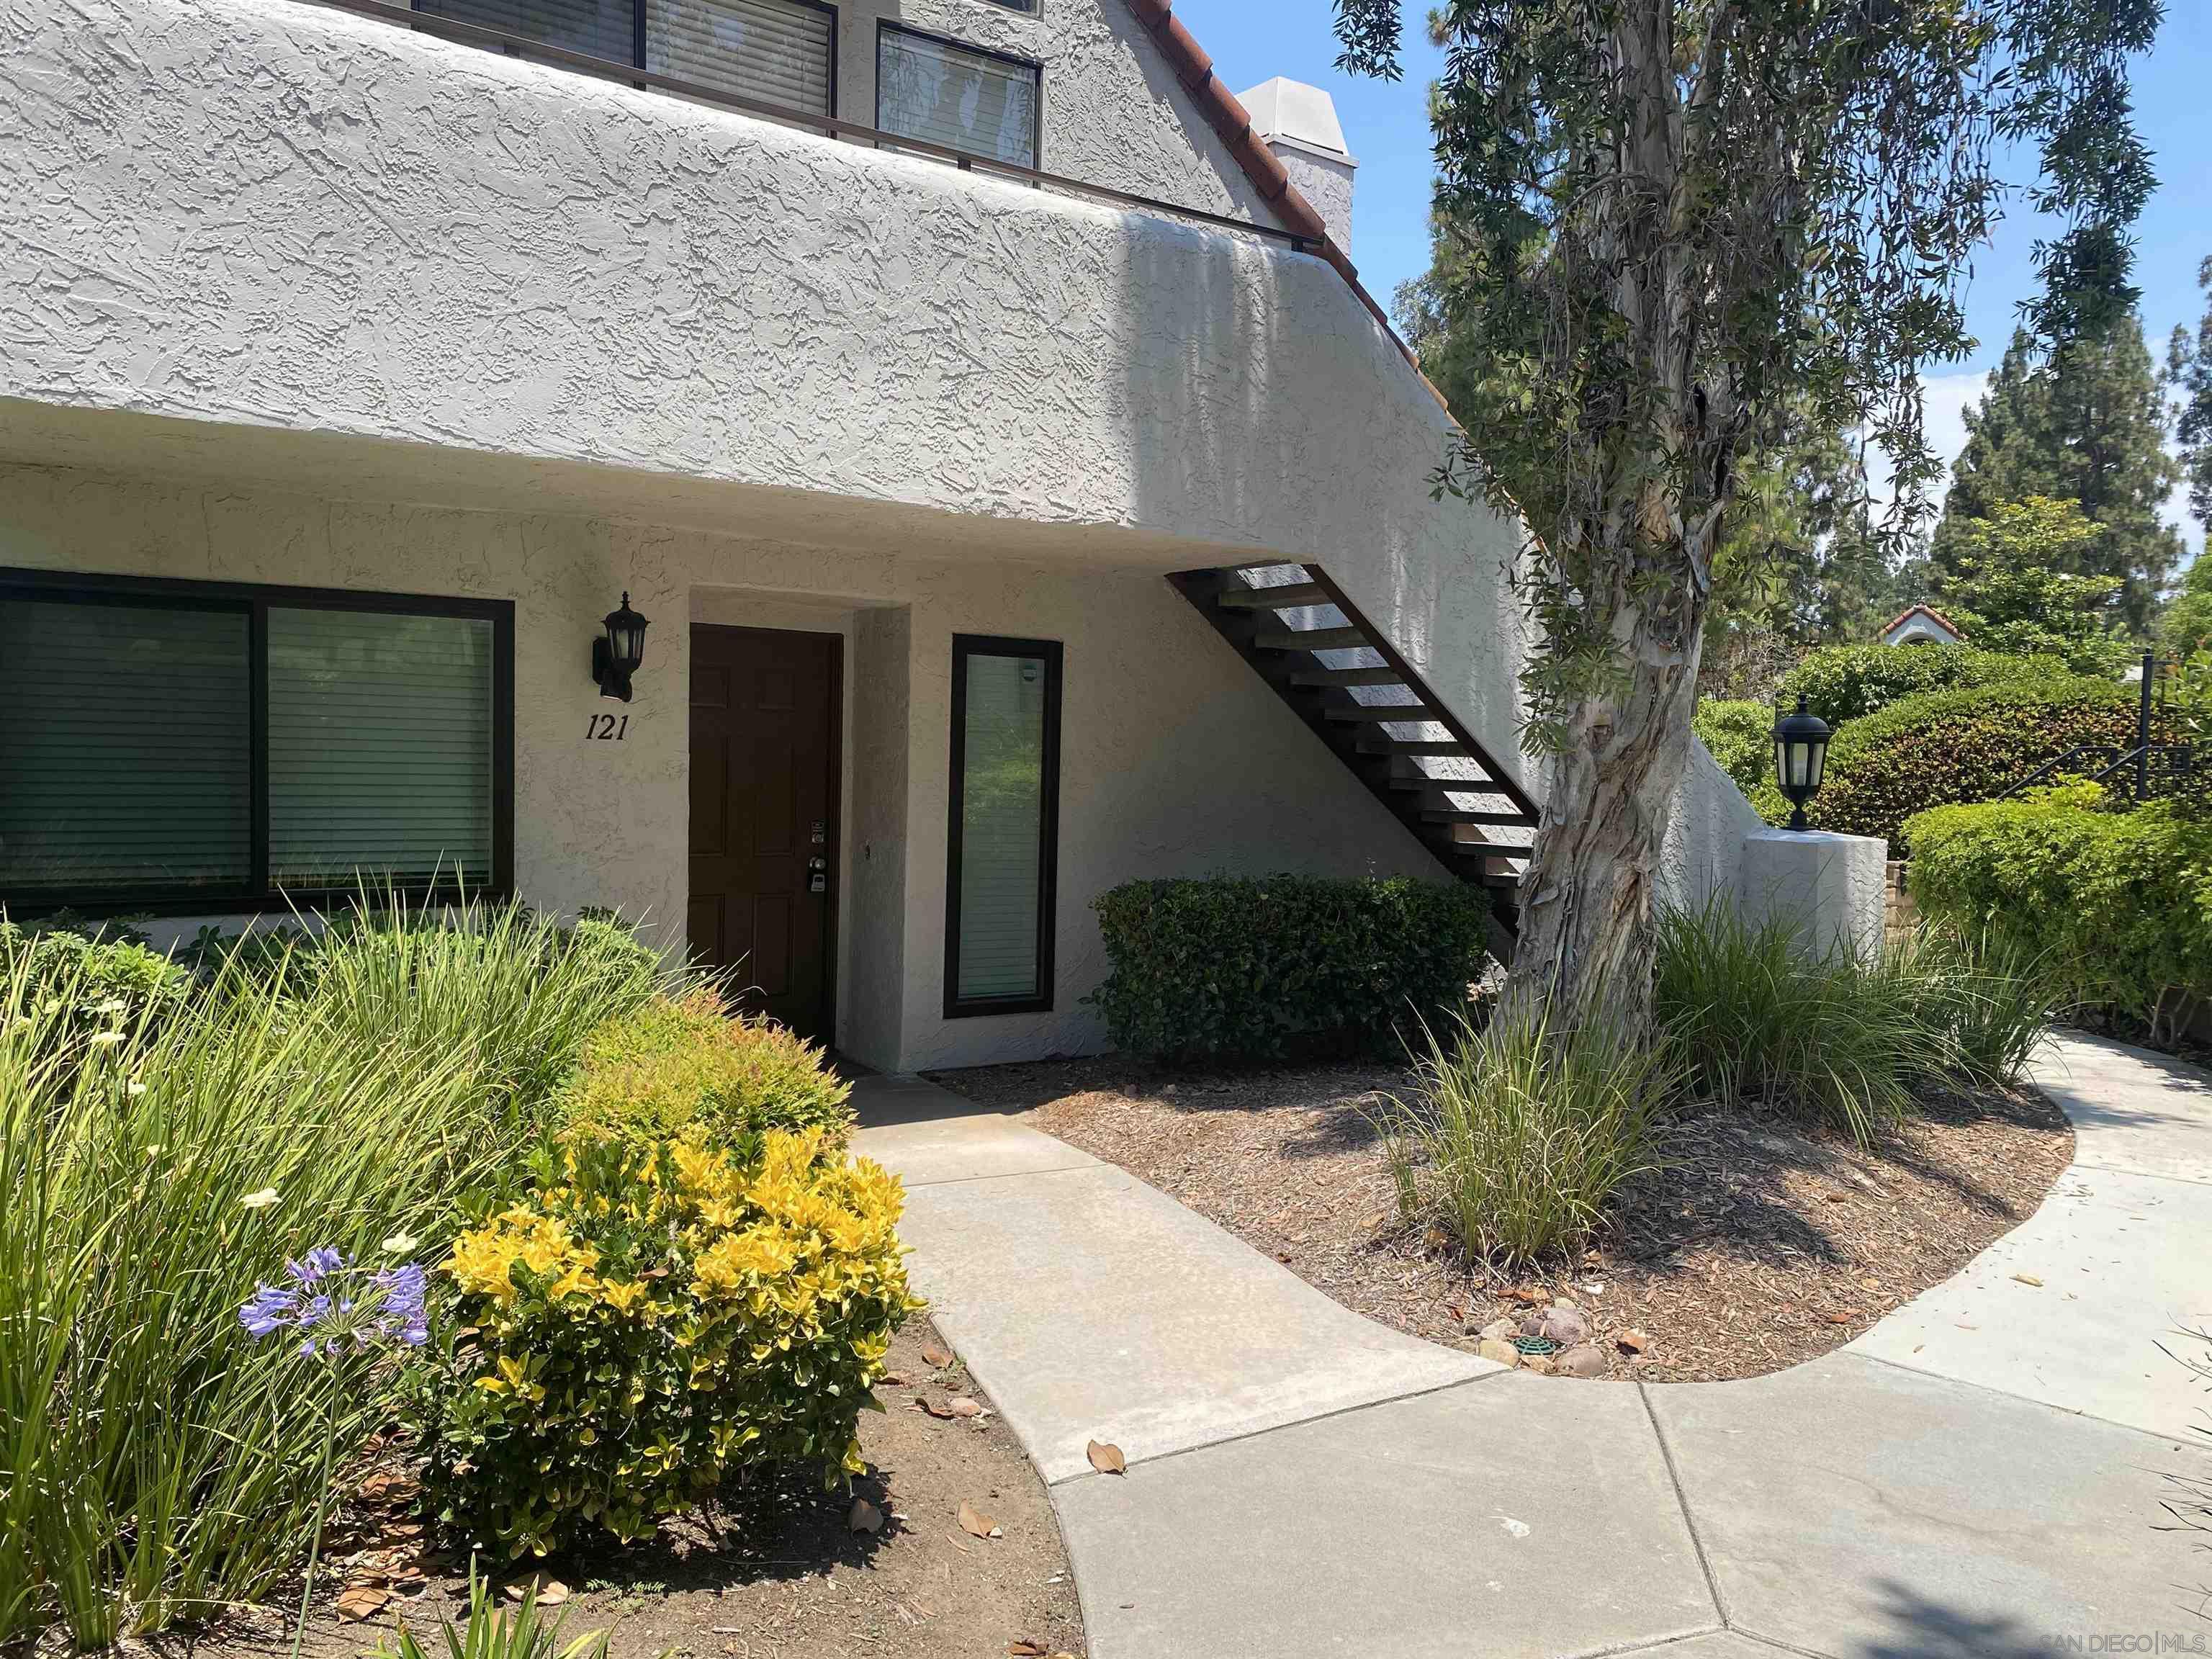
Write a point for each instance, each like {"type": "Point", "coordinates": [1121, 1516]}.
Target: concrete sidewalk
{"type": "Point", "coordinates": [1978, 1476]}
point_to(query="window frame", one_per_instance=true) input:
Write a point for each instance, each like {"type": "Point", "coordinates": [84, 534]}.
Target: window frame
{"type": "Point", "coordinates": [965, 646]}
{"type": "Point", "coordinates": [638, 35]}
{"type": "Point", "coordinates": [254, 600]}
{"type": "Point", "coordinates": [885, 25]}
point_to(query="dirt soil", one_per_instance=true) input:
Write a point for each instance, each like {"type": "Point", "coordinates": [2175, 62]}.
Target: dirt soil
{"type": "Point", "coordinates": [1759, 1245]}
{"type": "Point", "coordinates": [782, 1575]}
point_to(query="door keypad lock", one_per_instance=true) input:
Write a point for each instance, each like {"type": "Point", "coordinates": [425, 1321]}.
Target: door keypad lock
{"type": "Point", "coordinates": [818, 875]}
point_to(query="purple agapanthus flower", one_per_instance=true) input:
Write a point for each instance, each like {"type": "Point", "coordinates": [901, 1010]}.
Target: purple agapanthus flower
{"type": "Point", "coordinates": [339, 1308]}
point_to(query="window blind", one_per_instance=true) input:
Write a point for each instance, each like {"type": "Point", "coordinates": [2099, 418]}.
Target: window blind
{"type": "Point", "coordinates": [777, 51]}
{"type": "Point", "coordinates": [603, 29]}
{"type": "Point", "coordinates": [1002, 814]}
{"type": "Point", "coordinates": [379, 748]}
{"type": "Point", "coordinates": [127, 758]}
{"type": "Point", "coordinates": [948, 95]}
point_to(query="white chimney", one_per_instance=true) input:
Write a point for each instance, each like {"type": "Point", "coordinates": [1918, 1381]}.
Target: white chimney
{"type": "Point", "coordinates": [1298, 123]}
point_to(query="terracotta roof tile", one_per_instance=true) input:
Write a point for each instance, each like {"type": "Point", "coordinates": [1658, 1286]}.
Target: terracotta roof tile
{"type": "Point", "coordinates": [1928, 610]}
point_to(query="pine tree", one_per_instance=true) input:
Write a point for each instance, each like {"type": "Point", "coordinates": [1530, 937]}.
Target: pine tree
{"type": "Point", "coordinates": [2189, 370]}
{"type": "Point", "coordinates": [2085, 424]}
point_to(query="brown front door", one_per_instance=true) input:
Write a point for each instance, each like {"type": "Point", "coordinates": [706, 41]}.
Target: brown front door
{"type": "Point", "coordinates": [765, 817]}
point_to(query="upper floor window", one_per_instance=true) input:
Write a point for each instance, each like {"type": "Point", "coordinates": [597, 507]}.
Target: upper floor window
{"type": "Point", "coordinates": [184, 746]}
{"type": "Point", "coordinates": [770, 52]}
{"type": "Point", "coordinates": [961, 97]}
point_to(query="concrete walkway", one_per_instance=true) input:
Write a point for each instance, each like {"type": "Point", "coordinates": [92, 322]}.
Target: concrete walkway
{"type": "Point", "coordinates": [1978, 1476]}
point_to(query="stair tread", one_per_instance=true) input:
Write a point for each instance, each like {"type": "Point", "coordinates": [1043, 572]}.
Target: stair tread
{"type": "Point", "coordinates": [1469, 814]}
{"type": "Point", "coordinates": [1273, 598]}
{"type": "Point", "coordinates": [1382, 743]}
{"type": "Point", "coordinates": [1385, 713]}
{"type": "Point", "coordinates": [1312, 639]}
{"type": "Point", "coordinates": [1381, 675]}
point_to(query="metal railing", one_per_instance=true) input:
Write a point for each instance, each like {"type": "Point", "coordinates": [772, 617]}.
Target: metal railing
{"type": "Point", "coordinates": [2141, 771]}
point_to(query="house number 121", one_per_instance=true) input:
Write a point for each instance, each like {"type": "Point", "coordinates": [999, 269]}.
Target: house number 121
{"type": "Point", "coordinates": [606, 728]}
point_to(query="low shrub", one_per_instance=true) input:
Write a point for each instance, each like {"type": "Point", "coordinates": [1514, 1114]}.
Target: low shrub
{"type": "Point", "coordinates": [1848, 682]}
{"type": "Point", "coordinates": [1227, 968]}
{"type": "Point", "coordinates": [1741, 737]}
{"type": "Point", "coordinates": [673, 1064]}
{"type": "Point", "coordinates": [2119, 903]}
{"type": "Point", "coordinates": [98, 984]}
{"type": "Point", "coordinates": [650, 1318]}
{"type": "Point", "coordinates": [1956, 746]}
{"type": "Point", "coordinates": [1519, 1133]}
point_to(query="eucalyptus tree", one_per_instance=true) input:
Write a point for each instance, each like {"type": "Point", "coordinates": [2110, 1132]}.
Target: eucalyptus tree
{"type": "Point", "coordinates": [1680, 223]}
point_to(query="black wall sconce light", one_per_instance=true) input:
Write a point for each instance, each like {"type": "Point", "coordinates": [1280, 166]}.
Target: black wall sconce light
{"type": "Point", "coordinates": [616, 654]}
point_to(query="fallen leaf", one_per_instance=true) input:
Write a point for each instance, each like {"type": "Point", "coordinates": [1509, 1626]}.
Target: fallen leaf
{"type": "Point", "coordinates": [1022, 1647]}
{"type": "Point", "coordinates": [1529, 1296]}
{"type": "Point", "coordinates": [552, 1593]}
{"type": "Point", "coordinates": [2029, 1278]}
{"type": "Point", "coordinates": [1374, 1221]}
{"type": "Point", "coordinates": [1106, 1457]}
{"type": "Point", "coordinates": [935, 1357]}
{"type": "Point", "coordinates": [864, 1518]}
{"type": "Point", "coordinates": [962, 1406]}
{"type": "Point", "coordinates": [974, 1525]}
{"type": "Point", "coordinates": [1632, 1341]}
{"type": "Point", "coordinates": [1838, 1318]}
{"type": "Point", "coordinates": [361, 1602]}
{"type": "Point", "coordinates": [933, 1407]}
{"type": "Point", "coordinates": [894, 1379]}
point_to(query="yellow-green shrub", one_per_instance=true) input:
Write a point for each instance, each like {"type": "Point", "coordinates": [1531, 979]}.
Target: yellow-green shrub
{"type": "Point", "coordinates": [651, 1317]}
{"type": "Point", "coordinates": [671, 1066]}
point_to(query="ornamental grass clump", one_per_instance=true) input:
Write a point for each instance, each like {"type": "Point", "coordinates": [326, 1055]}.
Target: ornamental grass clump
{"type": "Point", "coordinates": [675, 1064]}
{"type": "Point", "coordinates": [158, 1460]}
{"type": "Point", "coordinates": [1519, 1133]}
{"type": "Point", "coordinates": [651, 1318]}
{"type": "Point", "coordinates": [1752, 1013]}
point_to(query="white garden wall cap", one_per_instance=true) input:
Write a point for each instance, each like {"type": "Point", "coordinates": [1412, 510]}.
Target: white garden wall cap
{"type": "Point", "coordinates": [1288, 112]}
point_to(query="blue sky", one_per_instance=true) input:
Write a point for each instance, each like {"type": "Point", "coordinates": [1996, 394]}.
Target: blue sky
{"type": "Point", "coordinates": [1387, 128]}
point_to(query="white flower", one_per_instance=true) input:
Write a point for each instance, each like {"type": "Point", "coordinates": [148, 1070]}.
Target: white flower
{"type": "Point", "coordinates": [400, 1243]}
{"type": "Point", "coordinates": [112, 1005]}
{"type": "Point", "coordinates": [135, 1087]}
{"type": "Point", "coordinates": [260, 1201]}
{"type": "Point", "coordinates": [106, 1037]}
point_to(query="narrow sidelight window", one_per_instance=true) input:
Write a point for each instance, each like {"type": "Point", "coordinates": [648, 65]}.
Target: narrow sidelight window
{"type": "Point", "coordinates": [186, 746]}
{"type": "Point", "coordinates": [999, 909]}
{"type": "Point", "coordinates": [961, 97]}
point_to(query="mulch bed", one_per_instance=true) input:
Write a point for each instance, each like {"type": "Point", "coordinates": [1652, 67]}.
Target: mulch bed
{"type": "Point", "coordinates": [1759, 1245]}
{"type": "Point", "coordinates": [783, 1576]}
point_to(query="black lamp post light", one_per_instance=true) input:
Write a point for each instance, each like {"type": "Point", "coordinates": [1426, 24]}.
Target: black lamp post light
{"type": "Point", "coordinates": [616, 655]}
{"type": "Point", "coordinates": [1800, 755]}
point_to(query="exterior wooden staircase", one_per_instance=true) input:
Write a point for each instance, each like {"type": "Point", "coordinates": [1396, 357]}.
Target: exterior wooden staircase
{"type": "Point", "coordinates": [1361, 698]}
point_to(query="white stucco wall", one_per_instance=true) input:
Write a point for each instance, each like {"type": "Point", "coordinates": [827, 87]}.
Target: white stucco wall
{"type": "Point", "coordinates": [1114, 112]}
{"type": "Point", "coordinates": [1176, 758]}
{"type": "Point", "coordinates": [1325, 182]}
{"type": "Point", "coordinates": [257, 240]}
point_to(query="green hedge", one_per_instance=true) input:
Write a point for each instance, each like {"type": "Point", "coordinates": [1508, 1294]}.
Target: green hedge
{"type": "Point", "coordinates": [1849, 682]}
{"type": "Point", "coordinates": [1741, 737]}
{"type": "Point", "coordinates": [1955, 746]}
{"type": "Point", "coordinates": [1233, 968]}
{"type": "Point", "coordinates": [2120, 902]}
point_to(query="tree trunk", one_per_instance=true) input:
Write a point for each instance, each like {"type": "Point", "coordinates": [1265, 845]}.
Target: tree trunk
{"type": "Point", "coordinates": [1586, 945]}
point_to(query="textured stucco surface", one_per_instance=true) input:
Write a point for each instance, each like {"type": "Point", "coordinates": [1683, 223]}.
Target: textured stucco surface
{"type": "Point", "coordinates": [1176, 759]}
{"type": "Point", "coordinates": [1114, 112]}
{"type": "Point", "coordinates": [1827, 887]}
{"type": "Point", "coordinates": [304, 266]}
{"type": "Point", "coordinates": [1325, 182]}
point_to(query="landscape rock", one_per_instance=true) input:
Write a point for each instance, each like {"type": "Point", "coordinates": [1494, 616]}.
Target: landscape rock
{"type": "Point", "coordinates": [1563, 1323]}
{"type": "Point", "coordinates": [1504, 1352]}
{"type": "Point", "coordinates": [1584, 1360]}
{"type": "Point", "coordinates": [1499, 1330]}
